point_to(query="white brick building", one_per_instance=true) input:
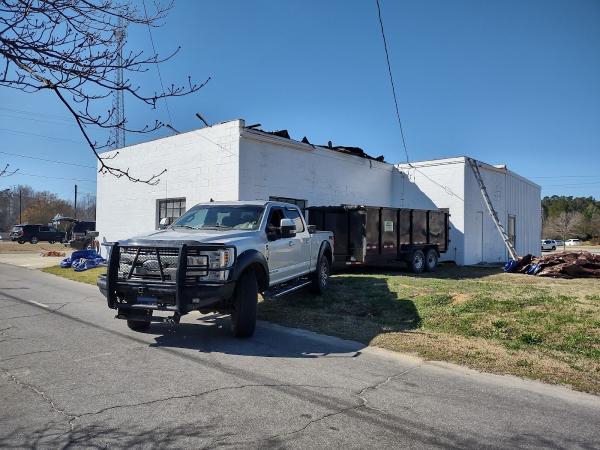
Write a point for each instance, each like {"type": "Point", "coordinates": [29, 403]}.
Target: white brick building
{"type": "Point", "coordinates": [231, 162]}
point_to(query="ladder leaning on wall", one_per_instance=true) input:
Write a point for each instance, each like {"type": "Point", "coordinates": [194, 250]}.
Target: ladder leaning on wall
{"type": "Point", "coordinates": [507, 241]}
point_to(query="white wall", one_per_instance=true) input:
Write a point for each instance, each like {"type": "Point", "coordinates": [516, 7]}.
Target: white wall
{"type": "Point", "coordinates": [271, 166]}
{"type": "Point", "coordinates": [442, 182]}
{"type": "Point", "coordinates": [228, 162]}
{"type": "Point", "coordinates": [201, 165]}
{"type": "Point", "coordinates": [510, 194]}
{"type": "Point", "coordinates": [450, 183]}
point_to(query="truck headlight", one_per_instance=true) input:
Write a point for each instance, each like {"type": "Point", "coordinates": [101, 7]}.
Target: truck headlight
{"type": "Point", "coordinates": [211, 259]}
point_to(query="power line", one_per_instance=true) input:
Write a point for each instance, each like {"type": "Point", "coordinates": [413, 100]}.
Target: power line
{"type": "Point", "coordinates": [38, 119]}
{"type": "Point", "coordinates": [387, 58]}
{"type": "Point", "coordinates": [56, 178]}
{"type": "Point", "coordinates": [156, 62]}
{"type": "Point", "coordinates": [39, 135]}
{"type": "Point", "coordinates": [35, 113]}
{"type": "Point", "coordinates": [48, 160]}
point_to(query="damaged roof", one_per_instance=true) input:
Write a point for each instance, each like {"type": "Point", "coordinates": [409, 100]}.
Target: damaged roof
{"type": "Point", "coordinates": [354, 151]}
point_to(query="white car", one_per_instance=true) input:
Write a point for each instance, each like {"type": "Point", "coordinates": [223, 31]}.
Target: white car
{"type": "Point", "coordinates": [573, 242]}
{"type": "Point", "coordinates": [548, 245]}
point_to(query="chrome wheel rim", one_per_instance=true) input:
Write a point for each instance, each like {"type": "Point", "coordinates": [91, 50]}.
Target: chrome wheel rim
{"type": "Point", "coordinates": [418, 261]}
{"type": "Point", "coordinates": [324, 273]}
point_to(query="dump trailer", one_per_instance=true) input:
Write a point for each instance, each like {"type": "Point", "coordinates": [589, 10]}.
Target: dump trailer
{"type": "Point", "coordinates": [376, 236]}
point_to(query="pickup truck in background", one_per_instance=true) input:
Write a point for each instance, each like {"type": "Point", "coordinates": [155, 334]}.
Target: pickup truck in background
{"type": "Point", "coordinates": [216, 257]}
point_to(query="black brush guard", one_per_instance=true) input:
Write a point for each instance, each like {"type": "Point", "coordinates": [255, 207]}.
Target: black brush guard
{"type": "Point", "coordinates": [180, 295]}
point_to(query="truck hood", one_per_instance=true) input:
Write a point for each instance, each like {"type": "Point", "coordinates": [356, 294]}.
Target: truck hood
{"type": "Point", "coordinates": [187, 236]}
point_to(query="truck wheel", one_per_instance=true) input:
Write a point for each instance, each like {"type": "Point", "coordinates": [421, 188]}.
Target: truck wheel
{"type": "Point", "coordinates": [140, 325]}
{"type": "Point", "coordinates": [320, 277]}
{"type": "Point", "coordinates": [34, 240]}
{"type": "Point", "coordinates": [417, 261]}
{"type": "Point", "coordinates": [51, 242]}
{"type": "Point", "coordinates": [245, 300]}
{"type": "Point", "coordinates": [431, 260]}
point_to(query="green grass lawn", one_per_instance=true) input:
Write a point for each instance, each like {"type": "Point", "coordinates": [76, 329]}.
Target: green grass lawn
{"type": "Point", "coordinates": [87, 276]}
{"type": "Point", "coordinates": [516, 324]}
{"type": "Point", "coordinates": [505, 323]}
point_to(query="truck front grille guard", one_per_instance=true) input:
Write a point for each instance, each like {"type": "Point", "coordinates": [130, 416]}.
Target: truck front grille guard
{"type": "Point", "coordinates": [118, 271]}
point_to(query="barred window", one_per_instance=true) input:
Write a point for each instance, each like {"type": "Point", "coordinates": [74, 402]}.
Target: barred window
{"type": "Point", "coordinates": [512, 229]}
{"type": "Point", "coordinates": [170, 208]}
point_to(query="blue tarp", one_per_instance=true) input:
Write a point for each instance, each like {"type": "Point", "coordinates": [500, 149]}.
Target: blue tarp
{"type": "Point", "coordinates": [83, 260]}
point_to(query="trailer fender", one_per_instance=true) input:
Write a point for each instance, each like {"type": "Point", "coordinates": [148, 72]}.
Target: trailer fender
{"type": "Point", "coordinates": [254, 260]}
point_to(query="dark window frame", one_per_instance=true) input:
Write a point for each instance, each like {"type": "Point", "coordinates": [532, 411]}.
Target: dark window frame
{"type": "Point", "coordinates": [176, 206]}
{"type": "Point", "coordinates": [300, 203]}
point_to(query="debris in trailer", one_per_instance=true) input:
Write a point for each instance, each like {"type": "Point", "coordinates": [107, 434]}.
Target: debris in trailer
{"type": "Point", "coordinates": [559, 265]}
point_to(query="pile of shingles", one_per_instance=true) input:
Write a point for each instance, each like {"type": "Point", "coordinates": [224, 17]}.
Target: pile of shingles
{"type": "Point", "coordinates": [560, 265]}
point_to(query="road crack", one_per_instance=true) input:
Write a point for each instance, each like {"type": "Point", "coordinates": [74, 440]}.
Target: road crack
{"type": "Point", "coordinates": [363, 404]}
{"type": "Point", "coordinates": [199, 394]}
{"type": "Point", "coordinates": [70, 418]}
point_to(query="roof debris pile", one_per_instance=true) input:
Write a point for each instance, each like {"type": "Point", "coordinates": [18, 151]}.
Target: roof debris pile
{"type": "Point", "coordinates": [355, 151]}
{"type": "Point", "coordinates": [559, 265]}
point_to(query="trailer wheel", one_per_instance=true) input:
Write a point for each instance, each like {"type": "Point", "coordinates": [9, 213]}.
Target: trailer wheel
{"type": "Point", "coordinates": [320, 277]}
{"type": "Point", "coordinates": [245, 300]}
{"type": "Point", "coordinates": [140, 325]}
{"type": "Point", "coordinates": [417, 261]}
{"type": "Point", "coordinates": [431, 260]}
{"type": "Point", "coordinates": [21, 241]}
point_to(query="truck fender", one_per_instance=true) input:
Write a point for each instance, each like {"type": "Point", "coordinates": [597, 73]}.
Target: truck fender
{"type": "Point", "coordinates": [325, 246]}
{"type": "Point", "coordinates": [258, 263]}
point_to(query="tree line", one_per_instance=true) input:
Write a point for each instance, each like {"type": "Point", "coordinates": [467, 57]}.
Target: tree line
{"type": "Point", "coordinates": [23, 204]}
{"type": "Point", "coordinates": [571, 217]}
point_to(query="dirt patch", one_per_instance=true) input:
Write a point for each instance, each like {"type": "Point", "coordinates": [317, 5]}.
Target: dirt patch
{"type": "Point", "coordinates": [460, 298]}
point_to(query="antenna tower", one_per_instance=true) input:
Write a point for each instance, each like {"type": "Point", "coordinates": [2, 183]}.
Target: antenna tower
{"type": "Point", "coordinates": [118, 106]}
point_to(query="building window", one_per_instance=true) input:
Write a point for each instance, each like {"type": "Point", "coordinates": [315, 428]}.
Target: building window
{"type": "Point", "coordinates": [170, 209]}
{"type": "Point", "coordinates": [512, 229]}
{"type": "Point", "coordinates": [294, 201]}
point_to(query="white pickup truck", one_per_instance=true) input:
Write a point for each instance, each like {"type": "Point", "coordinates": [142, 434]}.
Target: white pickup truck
{"type": "Point", "coordinates": [216, 257]}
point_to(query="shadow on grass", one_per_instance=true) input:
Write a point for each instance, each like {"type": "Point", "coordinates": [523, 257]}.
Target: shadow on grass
{"type": "Point", "coordinates": [445, 271]}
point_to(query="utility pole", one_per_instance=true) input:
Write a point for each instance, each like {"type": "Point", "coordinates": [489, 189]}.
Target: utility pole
{"type": "Point", "coordinates": [20, 209]}
{"type": "Point", "coordinates": [75, 204]}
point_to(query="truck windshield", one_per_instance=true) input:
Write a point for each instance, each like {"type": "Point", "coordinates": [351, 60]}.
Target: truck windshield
{"type": "Point", "coordinates": [217, 217]}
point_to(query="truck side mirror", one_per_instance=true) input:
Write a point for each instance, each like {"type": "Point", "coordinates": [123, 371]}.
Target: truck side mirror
{"type": "Point", "coordinates": [164, 223]}
{"type": "Point", "coordinates": [288, 228]}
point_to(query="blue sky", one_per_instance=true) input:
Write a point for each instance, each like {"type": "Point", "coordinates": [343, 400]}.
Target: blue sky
{"type": "Point", "coordinates": [515, 82]}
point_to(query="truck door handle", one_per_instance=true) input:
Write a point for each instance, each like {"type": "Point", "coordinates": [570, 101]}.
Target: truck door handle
{"type": "Point", "coordinates": [291, 243]}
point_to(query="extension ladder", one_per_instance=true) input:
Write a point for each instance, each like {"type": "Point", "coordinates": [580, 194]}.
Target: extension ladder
{"type": "Point", "coordinates": [509, 245]}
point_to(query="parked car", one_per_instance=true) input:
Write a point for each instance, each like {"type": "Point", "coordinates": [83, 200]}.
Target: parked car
{"type": "Point", "coordinates": [573, 242]}
{"type": "Point", "coordinates": [559, 243]}
{"type": "Point", "coordinates": [35, 233]}
{"type": "Point", "coordinates": [548, 245]}
{"type": "Point", "coordinates": [216, 257]}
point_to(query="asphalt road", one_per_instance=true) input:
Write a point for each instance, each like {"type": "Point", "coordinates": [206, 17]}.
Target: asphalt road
{"type": "Point", "coordinates": [73, 376]}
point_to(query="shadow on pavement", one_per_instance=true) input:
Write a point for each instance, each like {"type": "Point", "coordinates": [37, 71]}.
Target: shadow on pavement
{"type": "Point", "coordinates": [211, 334]}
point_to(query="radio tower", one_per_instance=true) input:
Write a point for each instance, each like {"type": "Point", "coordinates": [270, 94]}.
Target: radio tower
{"type": "Point", "coordinates": [118, 132]}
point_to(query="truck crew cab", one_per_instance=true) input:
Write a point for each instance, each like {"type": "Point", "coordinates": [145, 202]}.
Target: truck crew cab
{"type": "Point", "coordinates": [216, 257]}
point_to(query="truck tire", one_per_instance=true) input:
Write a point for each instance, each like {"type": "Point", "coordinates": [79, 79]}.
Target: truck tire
{"type": "Point", "coordinates": [245, 300]}
{"type": "Point", "coordinates": [417, 261]}
{"type": "Point", "coordinates": [431, 260]}
{"type": "Point", "coordinates": [140, 325]}
{"type": "Point", "coordinates": [51, 242]}
{"type": "Point", "coordinates": [34, 240]}
{"type": "Point", "coordinates": [320, 277]}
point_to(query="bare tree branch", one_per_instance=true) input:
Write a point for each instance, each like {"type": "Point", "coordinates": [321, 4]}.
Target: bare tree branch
{"type": "Point", "coordinates": [69, 47]}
